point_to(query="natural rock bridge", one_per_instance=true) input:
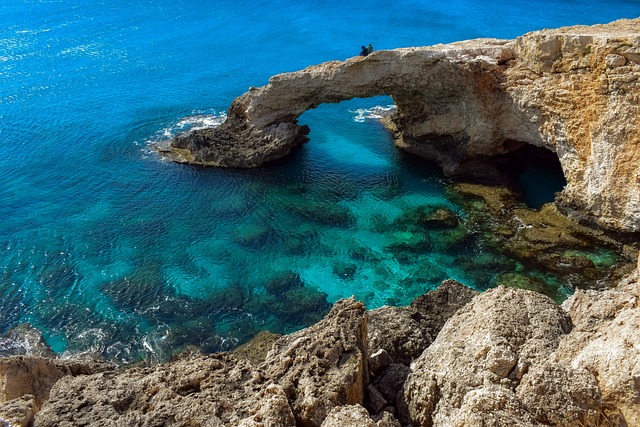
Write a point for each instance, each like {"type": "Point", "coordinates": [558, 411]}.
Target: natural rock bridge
{"type": "Point", "coordinates": [574, 91]}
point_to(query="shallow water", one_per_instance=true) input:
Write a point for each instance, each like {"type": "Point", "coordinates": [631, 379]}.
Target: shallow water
{"type": "Point", "coordinates": [107, 248]}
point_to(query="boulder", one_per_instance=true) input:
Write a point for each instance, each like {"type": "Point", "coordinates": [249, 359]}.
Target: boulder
{"type": "Point", "coordinates": [556, 394]}
{"type": "Point", "coordinates": [195, 390]}
{"type": "Point", "coordinates": [357, 416]}
{"type": "Point", "coordinates": [404, 332]}
{"type": "Point", "coordinates": [325, 365]}
{"type": "Point", "coordinates": [604, 343]}
{"type": "Point", "coordinates": [18, 412]}
{"type": "Point", "coordinates": [491, 342]}
{"type": "Point", "coordinates": [35, 376]}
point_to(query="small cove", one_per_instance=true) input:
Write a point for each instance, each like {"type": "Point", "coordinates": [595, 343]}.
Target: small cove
{"type": "Point", "coordinates": [108, 249]}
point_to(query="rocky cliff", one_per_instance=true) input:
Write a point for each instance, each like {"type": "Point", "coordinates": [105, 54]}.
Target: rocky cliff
{"type": "Point", "coordinates": [574, 91]}
{"type": "Point", "coordinates": [452, 358]}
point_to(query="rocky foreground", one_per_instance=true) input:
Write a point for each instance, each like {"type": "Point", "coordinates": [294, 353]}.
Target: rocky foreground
{"type": "Point", "coordinates": [454, 357]}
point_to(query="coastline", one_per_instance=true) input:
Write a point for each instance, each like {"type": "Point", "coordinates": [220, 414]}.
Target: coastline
{"type": "Point", "coordinates": [453, 354]}
{"type": "Point", "coordinates": [452, 357]}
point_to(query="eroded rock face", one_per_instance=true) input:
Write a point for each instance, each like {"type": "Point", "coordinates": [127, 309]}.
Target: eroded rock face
{"type": "Point", "coordinates": [304, 376]}
{"type": "Point", "coordinates": [404, 332]}
{"type": "Point", "coordinates": [486, 347]}
{"type": "Point", "coordinates": [573, 90]}
{"type": "Point", "coordinates": [507, 357]}
{"type": "Point", "coordinates": [325, 365]}
{"type": "Point", "coordinates": [606, 343]}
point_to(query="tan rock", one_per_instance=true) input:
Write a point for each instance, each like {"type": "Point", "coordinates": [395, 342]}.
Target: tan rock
{"type": "Point", "coordinates": [18, 412]}
{"type": "Point", "coordinates": [304, 376]}
{"type": "Point", "coordinates": [605, 342]}
{"type": "Point", "coordinates": [348, 416]}
{"type": "Point", "coordinates": [560, 395]}
{"type": "Point", "coordinates": [273, 410]}
{"type": "Point", "coordinates": [356, 416]}
{"type": "Point", "coordinates": [404, 332]}
{"type": "Point", "coordinates": [491, 406]}
{"type": "Point", "coordinates": [491, 342]}
{"type": "Point", "coordinates": [34, 376]}
{"type": "Point", "coordinates": [325, 365]}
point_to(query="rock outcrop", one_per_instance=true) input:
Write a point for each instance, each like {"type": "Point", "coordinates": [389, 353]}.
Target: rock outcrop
{"type": "Point", "coordinates": [304, 376]}
{"type": "Point", "coordinates": [483, 352]}
{"type": "Point", "coordinates": [506, 357]}
{"type": "Point", "coordinates": [574, 91]}
{"type": "Point", "coordinates": [26, 381]}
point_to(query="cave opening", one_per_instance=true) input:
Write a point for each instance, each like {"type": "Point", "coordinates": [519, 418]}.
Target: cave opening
{"type": "Point", "coordinates": [535, 172]}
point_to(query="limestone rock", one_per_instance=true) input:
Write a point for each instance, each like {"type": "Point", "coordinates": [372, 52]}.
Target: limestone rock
{"type": "Point", "coordinates": [18, 412]}
{"type": "Point", "coordinates": [195, 390]}
{"type": "Point", "coordinates": [491, 342]}
{"type": "Point", "coordinates": [257, 348]}
{"type": "Point", "coordinates": [34, 376]}
{"type": "Point", "coordinates": [559, 395]}
{"type": "Point", "coordinates": [404, 332]}
{"type": "Point", "coordinates": [391, 381]}
{"type": "Point", "coordinates": [507, 357]}
{"type": "Point", "coordinates": [490, 406]}
{"type": "Point", "coordinates": [304, 376]}
{"type": "Point", "coordinates": [379, 361]}
{"type": "Point", "coordinates": [273, 410]}
{"type": "Point", "coordinates": [604, 342]}
{"type": "Point", "coordinates": [571, 90]}
{"type": "Point", "coordinates": [325, 365]}
{"type": "Point", "coordinates": [348, 416]}
{"type": "Point", "coordinates": [356, 416]}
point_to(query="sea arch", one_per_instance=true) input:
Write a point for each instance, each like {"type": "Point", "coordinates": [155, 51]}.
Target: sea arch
{"type": "Point", "coordinates": [572, 91]}
{"type": "Point", "coordinates": [451, 95]}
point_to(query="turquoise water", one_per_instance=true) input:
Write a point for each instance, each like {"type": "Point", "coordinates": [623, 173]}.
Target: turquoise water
{"type": "Point", "coordinates": [107, 248]}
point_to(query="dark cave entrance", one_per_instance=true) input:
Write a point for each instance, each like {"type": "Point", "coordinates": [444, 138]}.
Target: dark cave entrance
{"type": "Point", "coordinates": [534, 172]}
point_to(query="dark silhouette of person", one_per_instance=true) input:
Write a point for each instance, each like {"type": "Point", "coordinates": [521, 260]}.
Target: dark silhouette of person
{"type": "Point", "coordinates": [369, 49]}
{"type": "Point", "coordinates": [364, 51]}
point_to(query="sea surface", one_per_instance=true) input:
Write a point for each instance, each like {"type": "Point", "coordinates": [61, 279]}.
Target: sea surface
{"type": "Point", "coordinates": [107, 248]}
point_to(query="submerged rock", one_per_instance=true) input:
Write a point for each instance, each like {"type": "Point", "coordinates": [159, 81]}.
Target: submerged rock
{"type": "Point", "coordinates": [543, 239]}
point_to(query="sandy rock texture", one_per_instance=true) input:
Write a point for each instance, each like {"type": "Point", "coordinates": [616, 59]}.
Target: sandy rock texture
{"type": "Point", "coordinates": [26, 381]}
{"type": "Point", "coordinates": [304, 376]}
{"type": "Point", "coordinates": [574, 91]}
{"type": "Point", "coordinates": [486, 348]}
{"type": "Point", "coordinates": [606, 343]}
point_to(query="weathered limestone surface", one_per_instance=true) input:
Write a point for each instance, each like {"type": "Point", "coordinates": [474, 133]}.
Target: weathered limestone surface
{"type": "Point", "coordinates": [507, 357]}
{"type": "Point", "coordinates": [575, 91]}
{"type": "Point", "coordinates": [486, 348]}
{"type": "Point", "coordinates": [606, 343]}
{"type": "Point", "coordinates": [404, 332]}
{"type": "Point", "coordinates": [304, 376]}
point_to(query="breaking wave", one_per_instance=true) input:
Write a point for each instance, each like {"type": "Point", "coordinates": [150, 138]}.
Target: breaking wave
{"type": "Point", "coordinates": [373, 113]}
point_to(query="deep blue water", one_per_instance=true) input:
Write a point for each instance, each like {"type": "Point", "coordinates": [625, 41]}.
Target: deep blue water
{"type": "Point", "coordinates": [106, 247]}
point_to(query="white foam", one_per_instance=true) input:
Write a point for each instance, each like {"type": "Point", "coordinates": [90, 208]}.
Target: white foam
{"type": "Point", "coordinates": [373, 113]}
{"type": "Point", "coordinates": [199, 120]}
{"type": "Point", "coordinates": [195, 122]}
